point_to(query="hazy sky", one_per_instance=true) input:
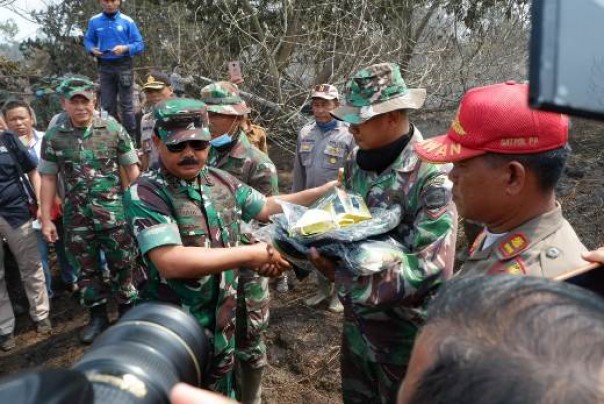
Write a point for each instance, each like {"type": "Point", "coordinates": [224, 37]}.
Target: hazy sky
{"type": "Point", "coordinates": [26, 28]}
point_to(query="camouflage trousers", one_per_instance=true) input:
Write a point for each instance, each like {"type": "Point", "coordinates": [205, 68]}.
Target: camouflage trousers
{"type": "Point", "coordinates": [83, 248]}
{"type": "Point", "coordinates": [253, 300]}
{"type": "Point", "coordinates": [366, 381]}
{"type": "Point", "coordinates": [221, 377]}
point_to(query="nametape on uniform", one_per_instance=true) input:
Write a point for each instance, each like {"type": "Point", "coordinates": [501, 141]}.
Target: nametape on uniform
{"type": "Point", "coordinates": [306, 146]}
{"type": "Point", "coordinates": [514, 244]}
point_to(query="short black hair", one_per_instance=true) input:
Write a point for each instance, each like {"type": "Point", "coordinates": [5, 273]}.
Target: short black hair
{"type": "Point", "coordinates": [16, 103]}
{"type": "Point", "coordinates": [548, 166]}
{"type": "Point", "coordinates": [510, 339]}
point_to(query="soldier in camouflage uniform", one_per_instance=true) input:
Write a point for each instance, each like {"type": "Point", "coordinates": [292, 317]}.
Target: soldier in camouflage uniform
{"type": "Point", "coordinates": [186, 217]}
{"type": "Point", "coordinates": [226, 112]}
{"type": "Point", "coordinates": [87, 152]}
{"type": "Point", "coordinates": [382, 312]}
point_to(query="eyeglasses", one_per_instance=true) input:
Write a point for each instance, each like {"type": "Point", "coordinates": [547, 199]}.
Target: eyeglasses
{"type": "Point", "coordinates": [196, 145]}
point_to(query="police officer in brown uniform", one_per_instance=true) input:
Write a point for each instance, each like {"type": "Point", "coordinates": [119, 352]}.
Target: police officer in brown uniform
{"type": "Point", "coordinates": [507, 160]}
{"type": "Point", "coordinates": [321, 150]}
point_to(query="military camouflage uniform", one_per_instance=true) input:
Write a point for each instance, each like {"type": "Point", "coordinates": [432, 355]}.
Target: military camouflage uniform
{"type": "Point", "coordinates": [164, 210]}
{"type": "Point", "coordinates": [147, 146]}
{"type": "Point", "coordinates": [93, 217]}
{"type": "Point", "coordinates": [544, 246]}
{"type": "Point", "coordinates": [382, 312]}
{"type": "Point", "coordinates": [254, 168]}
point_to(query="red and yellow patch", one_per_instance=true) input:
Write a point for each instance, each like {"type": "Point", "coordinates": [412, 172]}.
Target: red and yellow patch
{"type": "Point", "coordinates": [515, 266]}
{"type": "Point", "coordinates": [514, 244]}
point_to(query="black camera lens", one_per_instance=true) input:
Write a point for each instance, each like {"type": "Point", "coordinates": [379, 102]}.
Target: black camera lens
{"type": "Point", "coordinates": [150, 349]}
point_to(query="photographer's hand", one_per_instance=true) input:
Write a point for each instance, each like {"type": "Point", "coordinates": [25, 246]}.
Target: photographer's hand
{"type": "Point", "coordinates": [594, 256]}
{"type": "Point", "coordinates": [184, 394]}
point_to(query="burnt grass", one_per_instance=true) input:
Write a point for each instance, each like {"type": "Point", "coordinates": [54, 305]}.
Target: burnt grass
{"type": "Point", "coordinates": [303, 342]}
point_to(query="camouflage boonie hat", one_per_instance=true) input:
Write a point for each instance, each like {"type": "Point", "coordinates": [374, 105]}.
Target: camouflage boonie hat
{"type": "Point", "coordinates": [223, 97]}
{"type": "Point", "coordinates": [376, 90]}
{"type": "Point", "coordinates": [181, 119]}
{"type": "Point", "coordinates": [73, 86]}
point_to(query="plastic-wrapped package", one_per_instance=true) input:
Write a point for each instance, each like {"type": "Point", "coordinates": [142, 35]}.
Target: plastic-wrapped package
{"type": "Point", "coordinates": [362, 247]}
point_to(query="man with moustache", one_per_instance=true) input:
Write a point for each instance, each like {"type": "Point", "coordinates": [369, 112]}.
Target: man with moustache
{"type": "Point", "coordinates": [227, 115]}
{"type": "Point", "coordinates": [186, 217]}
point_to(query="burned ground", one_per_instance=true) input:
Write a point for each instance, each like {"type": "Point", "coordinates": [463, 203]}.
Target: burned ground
{"type": "Point", "coordinates": [304, 342]}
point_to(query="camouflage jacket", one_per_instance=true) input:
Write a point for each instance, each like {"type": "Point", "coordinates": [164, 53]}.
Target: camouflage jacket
{"type": "Point", "coordinates": [147, 123]}
{"type": "Point", "coordinates": [380, 307]}
{"type": "Point", "coordinates": [88, 160]}
{"type": "Point", "coordinates": [164, 210]}
{"type": "Point", "coordinates": [248, 164]}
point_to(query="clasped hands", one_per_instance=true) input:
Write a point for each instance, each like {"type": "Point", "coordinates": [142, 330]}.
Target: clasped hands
{"type": "Point", "coordinates": [273, 263]}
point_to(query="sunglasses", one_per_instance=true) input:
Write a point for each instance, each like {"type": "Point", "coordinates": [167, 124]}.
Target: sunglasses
{"type": "Point", "coordinates": [196, 145]}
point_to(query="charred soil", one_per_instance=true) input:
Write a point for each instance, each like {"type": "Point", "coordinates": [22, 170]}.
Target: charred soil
{"type": "Point", "coordinates": [304, 342]}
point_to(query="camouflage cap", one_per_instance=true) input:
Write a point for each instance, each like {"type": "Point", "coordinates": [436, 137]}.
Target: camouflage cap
{"type": "Point", "coordinates": [376, 90]}
{"type": "Point", "coordinates": [73, 86]}
{"type": "Point", "coordinates": [222, 97]}
{"type": "Point", "coordinates": [181, 119]}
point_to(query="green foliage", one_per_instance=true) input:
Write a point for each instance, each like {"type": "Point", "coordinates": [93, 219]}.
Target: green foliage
{"type": "Point", "coordinates": [8, 30]}
{"type": "Point", "coordinates": [285, 46]}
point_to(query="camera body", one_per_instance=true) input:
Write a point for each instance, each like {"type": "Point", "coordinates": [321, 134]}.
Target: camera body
{"type": "Point", "coordinates": [138, 360]}
{"type": "Point", "coordinates": [566, 59]}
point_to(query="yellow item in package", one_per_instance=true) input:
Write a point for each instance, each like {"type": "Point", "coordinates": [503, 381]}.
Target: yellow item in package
{"type": "Point", "coordinates": [336, 209]}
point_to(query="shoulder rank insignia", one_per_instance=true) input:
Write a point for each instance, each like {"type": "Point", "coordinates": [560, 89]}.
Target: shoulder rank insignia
{"type": "Point", "coordinates": [512, 245]}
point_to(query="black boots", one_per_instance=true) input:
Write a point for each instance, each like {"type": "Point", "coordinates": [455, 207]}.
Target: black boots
{"type": "Point", "coordinates": [96, 325]}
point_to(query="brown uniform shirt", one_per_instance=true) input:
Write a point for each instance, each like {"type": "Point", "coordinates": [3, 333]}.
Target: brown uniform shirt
{"type": "Point", "coordinates": [545, 246]}
{"type": "Point", "coordinates": [257, 136]}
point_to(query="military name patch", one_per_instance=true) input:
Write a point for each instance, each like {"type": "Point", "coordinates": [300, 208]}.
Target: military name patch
{"type": "Point", "coordinates": [306, 146]}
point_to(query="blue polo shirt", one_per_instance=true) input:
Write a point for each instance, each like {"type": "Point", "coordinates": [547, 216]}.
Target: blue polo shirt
{"type": "Point", "coordinates": [107, 31]}
{"type": "Point", "coordinates": [13, 205]}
